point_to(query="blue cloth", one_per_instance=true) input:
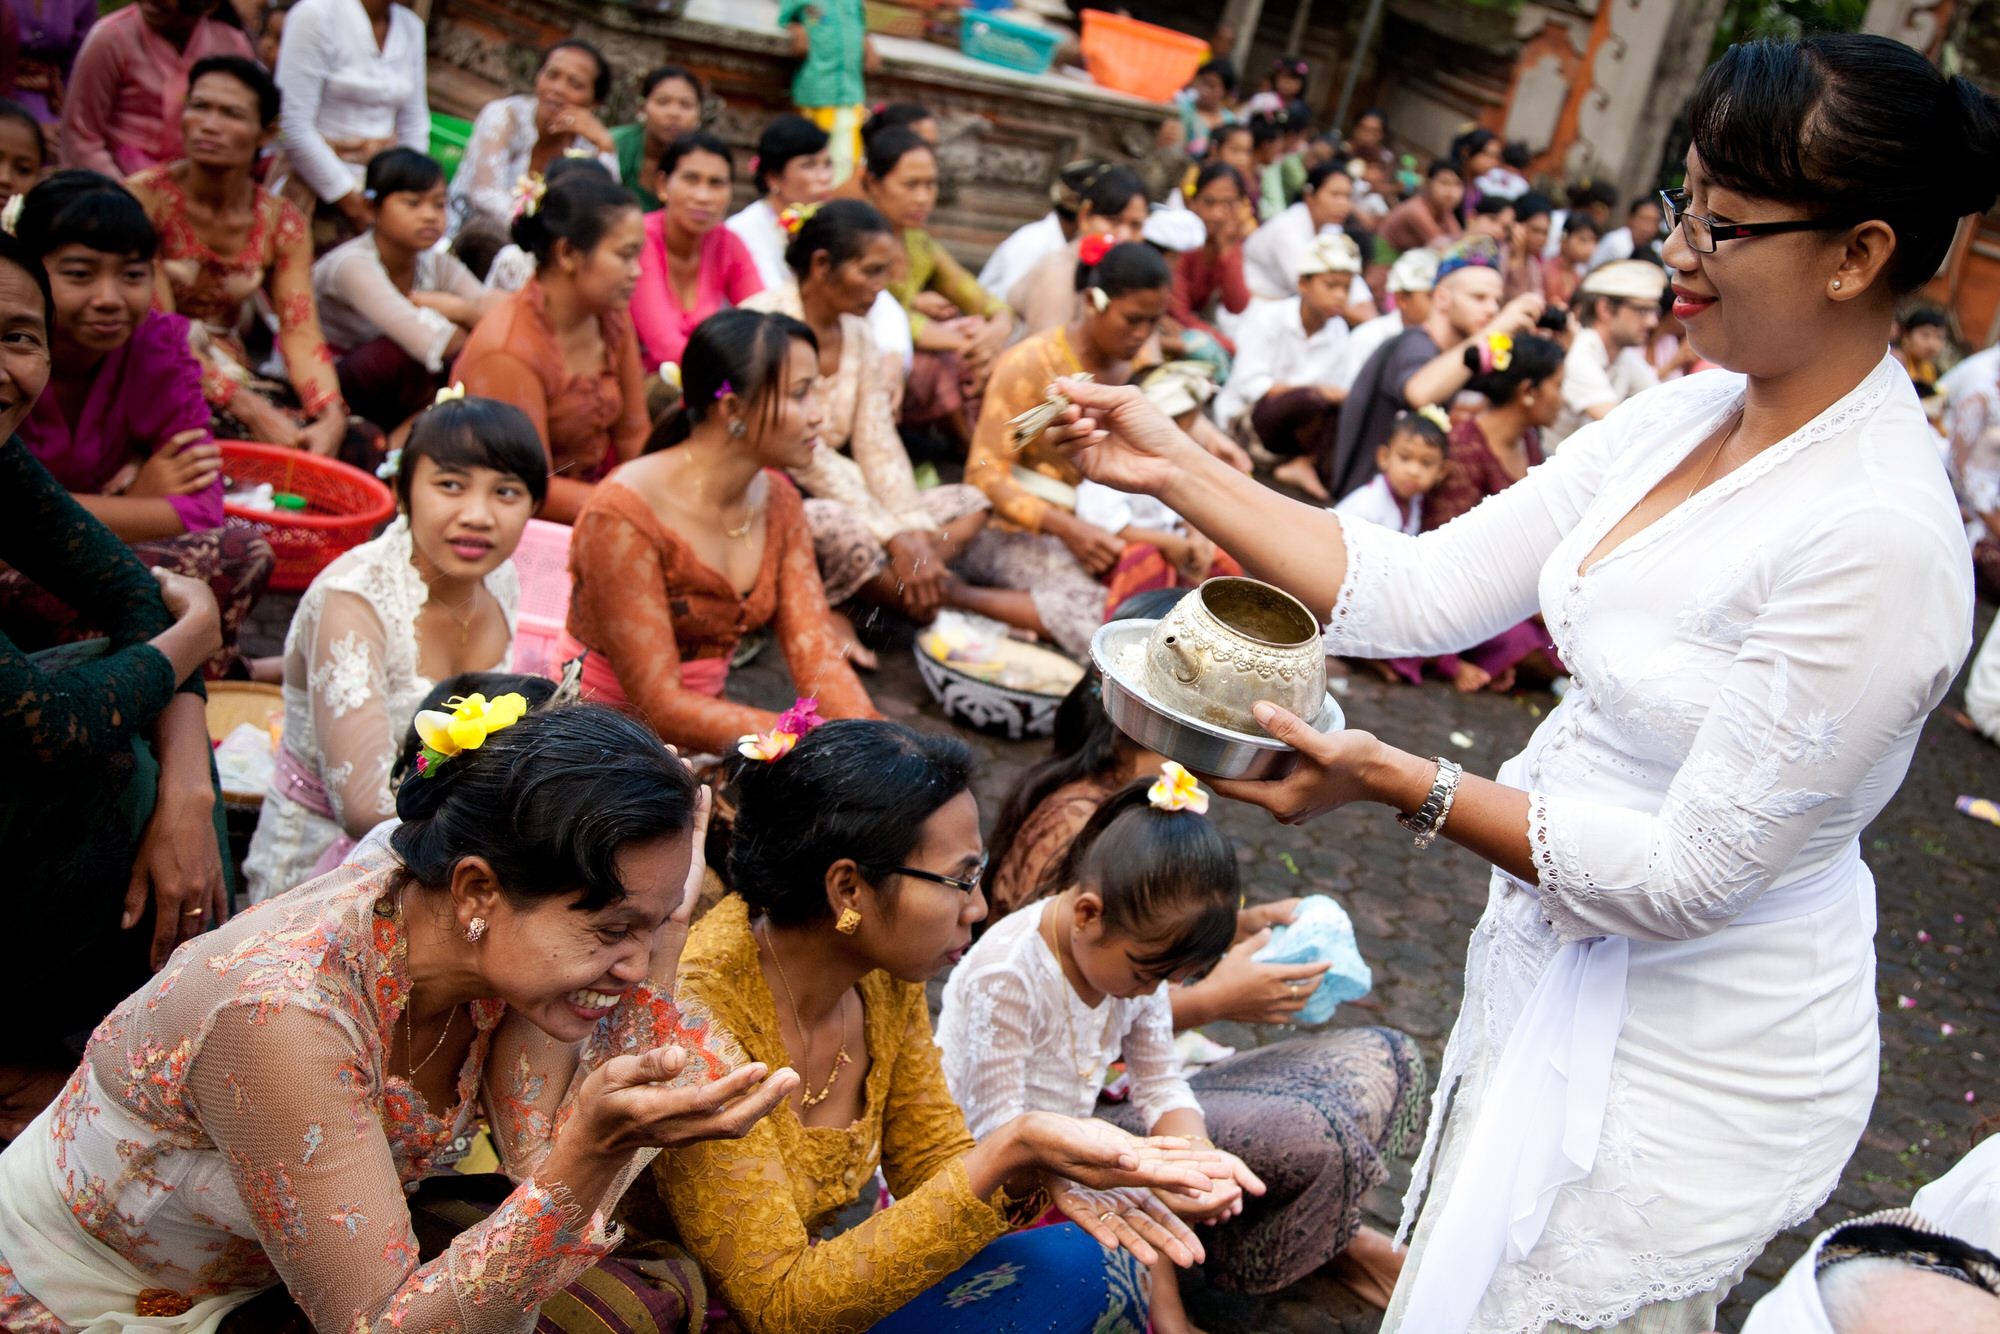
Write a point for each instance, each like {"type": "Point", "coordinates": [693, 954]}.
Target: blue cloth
{"type": "Point", "coordinates": [1047, 1280]}
{"type": "Point", "coordinates": [1320, 933]}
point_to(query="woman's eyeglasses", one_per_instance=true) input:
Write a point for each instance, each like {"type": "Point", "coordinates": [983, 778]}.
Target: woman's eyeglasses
{"type": "Point", "coordinates": [1702, 233]}
{"type": "Point", "coordinates": [964, 885]}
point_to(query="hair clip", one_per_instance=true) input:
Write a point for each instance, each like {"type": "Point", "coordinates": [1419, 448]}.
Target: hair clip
{"type": "Point", "coordinates": [391, 464]}
{"type": "Point", "coordinates": [528, 192]}
{"type": "Point", "coordinates": [792, 726]}
{"type": "Point", "coordinates": [1176, 790]}
{"type": "Point", "coordinates": [1436, 416]}
{"type": "Point", "coordinates": [451, 395]}
{"type": "Point", "coordinates": [472, 719]}
{"type": "Point", "coordinates": [10, 217]}
{"type": "Point", "coordinates": [1092, 249]}
{"type": "Point", "coordinates": [1099, 301]}
{"type": "Point", "coordinates": [1497, 354]}
{"type": "Point", "coordinates": [797, 216]}
{"type": "Point", "coordinates": [580, 152]}
{"type": "Point", "coordinates": [723, 390]}
{"type": "Point", "coordinates": [670, 375]}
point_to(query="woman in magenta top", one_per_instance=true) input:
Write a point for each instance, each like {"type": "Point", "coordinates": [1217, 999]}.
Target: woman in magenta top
{"type": "Point", "coordinates": [692, 265]}
{"type": "Point", "coordinates": [123, 424]}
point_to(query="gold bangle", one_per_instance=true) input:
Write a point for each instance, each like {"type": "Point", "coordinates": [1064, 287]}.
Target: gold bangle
{"type": "Point", "coordinates": [1024, 1212]}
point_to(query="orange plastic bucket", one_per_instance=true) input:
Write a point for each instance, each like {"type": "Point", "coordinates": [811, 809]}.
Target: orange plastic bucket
{"type": "Point", "coordinates": [1142, 59]}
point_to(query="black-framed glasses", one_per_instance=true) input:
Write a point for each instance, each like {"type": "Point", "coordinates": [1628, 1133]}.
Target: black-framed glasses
{"type": "Point", "coordinates": [964, 885]}
{"type": "Point", "coordinates": [1702, 233]}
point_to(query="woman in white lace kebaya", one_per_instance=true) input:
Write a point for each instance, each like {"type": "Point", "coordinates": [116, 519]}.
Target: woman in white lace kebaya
{"type": "Point", "coordinates": [1757, 575]}
{"type": "Point", "coordinates": [515, 139]}
{"type": "Point", "coordinates": [257, 1112]}
{"type": "Point", "coordinates": [433, 596]}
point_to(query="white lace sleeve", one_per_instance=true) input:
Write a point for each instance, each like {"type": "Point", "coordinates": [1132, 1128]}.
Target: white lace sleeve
{"type": "Point", "coordinates": [1158, 1087]}
{"type": "Point", "coordinates": [484, 184]}
{"type": "Point", "coordinates": [986, 1048]}
{"type": "Point", "coordinates": [1826, 697]}
{"type": "Point", "coordinates": [349, 699]}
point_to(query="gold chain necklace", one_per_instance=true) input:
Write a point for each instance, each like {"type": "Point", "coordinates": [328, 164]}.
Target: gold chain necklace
{"type": "Point", "coordinates": [807, 1098]}
{"type": "Point", "coordinates": [410, 1034]}
{"type": "Point", "coordinates": [1714, 454]}
{"type": "Point", "coordinates": [469, 607]}
{"type": "Point", "coordinates": [1088, 1076]}
{"type": "Point", "coordinates": [749, 519]}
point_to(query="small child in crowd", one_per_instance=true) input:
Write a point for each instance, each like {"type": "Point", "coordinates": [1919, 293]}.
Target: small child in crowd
{"type": "Point", "coordinates": [22, 150]}
{"type": "Point", "coordinates": [1410, 461]}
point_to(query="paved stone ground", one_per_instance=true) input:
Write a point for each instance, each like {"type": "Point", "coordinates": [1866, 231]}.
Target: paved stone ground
{"type": "Point", "coordinates": [1936, 872]}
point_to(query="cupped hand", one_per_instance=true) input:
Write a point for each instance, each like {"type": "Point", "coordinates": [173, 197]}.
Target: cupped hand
{"type": "Point", "coordinates": [1096, 550]}
{"type": "Point", "coordinates": [1100, 1155]}
{"type": "Point", "coordinates": [180, 467]}
{"type": "Point", "coordinates": [631, 1102]}
{"type": "Point", "coordinates": [1247, 992]}
{"type": "Point", "coordinates": [1224, 1199]}
{"type": "Point", "coordinates": [1334, 770]}
{"type": "Point", "coordinates": [1137, 1220]}
{"type": "Point", "coordinates": [1116, 436]}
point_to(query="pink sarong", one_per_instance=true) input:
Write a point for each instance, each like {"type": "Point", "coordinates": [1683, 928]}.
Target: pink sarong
{"type": "Point", "coordinates": [704, 676]}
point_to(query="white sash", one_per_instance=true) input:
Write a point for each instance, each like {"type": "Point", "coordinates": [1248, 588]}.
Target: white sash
{"type": "Point", "coordinates": [1542, 1116]}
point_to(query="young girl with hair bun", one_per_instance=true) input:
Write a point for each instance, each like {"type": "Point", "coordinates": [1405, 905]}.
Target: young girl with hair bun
{"type": "Point", "coordinates": [686, 550]}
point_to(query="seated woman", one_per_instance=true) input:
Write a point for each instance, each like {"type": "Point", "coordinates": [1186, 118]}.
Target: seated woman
{"type": "Point", "coordinates": [223, 239]}
{"type": "Point", "coordinates": [122, 103]}
{"type": "Point", "coordinates": [854, 867]}
{"type": "Point", "coordinates": [432, 597]}
{"type": "Point", "coordinates": [954, 356]}
{"type": "Point", "coordinates": [562, 348]}
{"type": "Point", "coordinates": [1111, 203]}
{"type": "Point", "coordinates": [520, 136]}
{"type": "Point", "coordinates": [511, 956]}
{"type": "Point", "coordinates": [1314, 1116]}
{"type": "Point", "coordinates": [690, 265]}
{"type": "Point", "coordinates": [394, 308]}
{"type": "Point", "coordinates": [1209, 281]}
{"type": "Point", "coordinates": [794, 170]}
{"type": "Point", "coordinates": [875, 535]}
{"type": "Point", "coordinates": [669, 107]}
{"type": "Point", "coordinates": [122, 425]}
{"type": "Point", "coordinates": [111, 831]}
{"type": "Point", "coordinates": [683, 552]}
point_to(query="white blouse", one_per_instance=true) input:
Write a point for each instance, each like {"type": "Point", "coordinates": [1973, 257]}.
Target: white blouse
{"type": "Point", "coordinates": [496, 159]}
{"type": "Point", "coordinates": [1016, 1037]}
{"type": "Point", "coordinates": [358, 301]}
{"type": "Point", "coordinates": [351, 688]}
{"type": "Point", "coordinates": [1751, 674]}
{"type": "Point", "coordinates": [339, 85]}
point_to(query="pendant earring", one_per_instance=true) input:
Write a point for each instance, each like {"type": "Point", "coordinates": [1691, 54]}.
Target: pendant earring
{"type": "Point", "coordinates": [737, 429]}
{"type": "Point", "coordinates": [475, 929]}
{"type": "Point", "coordinates": [849, 923]}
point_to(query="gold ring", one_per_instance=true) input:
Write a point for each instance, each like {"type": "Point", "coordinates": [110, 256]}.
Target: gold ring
{"type": "Point", "coordinates": [194, 912]}
{"type": "Point", "coordinates": [1107, 1214]}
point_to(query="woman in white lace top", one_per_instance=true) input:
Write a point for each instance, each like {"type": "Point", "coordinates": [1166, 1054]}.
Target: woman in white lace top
{"type": "Point", "coordinates": [518, 137]}
{"type": "Point", "coordinates": [432, 597]}
{"type": "Point", "coordinates": [1757, 575]}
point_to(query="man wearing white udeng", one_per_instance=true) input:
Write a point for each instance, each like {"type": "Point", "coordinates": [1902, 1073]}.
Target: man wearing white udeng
{"type": "Point", "coordinates": [1758, 578]}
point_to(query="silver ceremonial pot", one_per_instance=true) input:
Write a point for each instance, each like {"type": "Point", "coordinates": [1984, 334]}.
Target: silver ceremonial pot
{"type": "Point", "coordinates": [1232, 642]}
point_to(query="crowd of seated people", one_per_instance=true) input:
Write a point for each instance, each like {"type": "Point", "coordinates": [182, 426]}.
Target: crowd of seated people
{"type": "Point", "coordinates": [227, 235]}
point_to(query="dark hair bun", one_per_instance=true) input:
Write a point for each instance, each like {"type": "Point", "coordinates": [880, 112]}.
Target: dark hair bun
{"type": "Point", "coordinates": [578, 205]}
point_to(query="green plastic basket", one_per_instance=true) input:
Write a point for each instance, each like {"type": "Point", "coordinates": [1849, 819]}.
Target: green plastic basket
{"type": "Point", "coordinates": [449, 136]}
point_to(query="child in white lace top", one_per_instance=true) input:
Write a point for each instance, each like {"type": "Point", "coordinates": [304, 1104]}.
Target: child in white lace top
{"type": "Point", "coordinates": [1050, 996]}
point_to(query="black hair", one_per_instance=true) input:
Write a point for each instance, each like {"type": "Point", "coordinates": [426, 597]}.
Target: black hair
{"type": "Point", "coordinates": [1925, 317]}
{"type": "Point", "coordinates": [1224, 69]}
{"type": "Point", "coordinates": [659, 74]}
{"type": "Point", "coordinates": [1532, 205]}
{"type": "Point", "coordinates": [1266, 129]}
{"type": "Point", "coordinates": [1416, 424]}
{"type": "Point", "coordinates": [1852, 127]}
{"type": "Point", "coordinates": [1111, 191]}
{"type": "Point", "coordinates": [1376, 112]}
{"type": "Point", "coordinates": [853, 789]}
{"type": "Point", "coordinates": [537, 690]}
{"type": "Point", "coordinates": [1471, 142]}
{"type": "Point", "coordinates": [696, 141]}
{"type": "Point", "coordinates": [785, 138]}
{"type": "Point", "coordinates": [600, 88]}
{"type": "Point", "coordinates": [401, 170]}
{"type": "Point", "coordinates": [20, 115]}
{"type": "Point", "coordinates": [894, 115]}
{"type": "Point", "coordinates": [475, 433]}
{"type": "Point", "coordinates": [890, 146]}
{"type": "Point", "coordinates": [578, 206]}
{"type": "Point", "coordinates": [1489, 206]}
{"type": "Point", "coordinates": [1587, 193]}
{"type": "Point", "coordinates": [1322, 172]}
{"type": "Point", "coordinates": [1642, 201]}
{"type": "Point", "coordinates": [840, 227]}
{"type": "Point", "coordinates": [248, 73]}
{"type": "Point", "coordinates": [1220, 171]}
{"type": "Point", "coordinates": [1222, 132]}
{"type": "Point", "coordinates": [1086, 745]}
{"type": "Point", "coordinates": [1516, 155]}
{"type": "Point", "coordinates": [1295, 65]}
{"type": "Point", "coordinates": [1148, 864]}
{"type": "Point", "coordinates": [1533, 360]}
{"type": "Point", "coordinates": [1441, 165]}
{"type": "Point", "coordinates": [548, 803]}
{"type": "Point", "coordinates": [743, 349]}
{"type": "Point", "coordinates": [1298, 117]}
{"type": "Point", "coordinates": [12, 251]}
{"type": "Point", "coordinates": [81, 207]}
{"type": "Point", "coordinates": [1129, 266]}
{"type": "Point", "coordinates": [1580, 221]}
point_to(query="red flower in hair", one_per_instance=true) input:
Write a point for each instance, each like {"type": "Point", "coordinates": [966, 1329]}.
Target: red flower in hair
{"type": "Point", "coordinates": [1093, 249]}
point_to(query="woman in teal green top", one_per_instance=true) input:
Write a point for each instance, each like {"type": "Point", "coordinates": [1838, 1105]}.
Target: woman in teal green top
{"type": "Point", "coordinates": [669, 107]}
{"type": "Point", "coordinates": [832, 36]}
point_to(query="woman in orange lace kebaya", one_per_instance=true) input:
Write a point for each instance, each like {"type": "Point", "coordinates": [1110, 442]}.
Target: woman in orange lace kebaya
{"type": "Point", "coordinates": [257, 1112]}
{"type": "Point", "coordinates": [854, 867]}
{"type": "Point", "coordinates": [562, 348]}
{"type": "Point", "coordinates": [224, 239]}
{"type": "Point", "coordinates": [683, 552]}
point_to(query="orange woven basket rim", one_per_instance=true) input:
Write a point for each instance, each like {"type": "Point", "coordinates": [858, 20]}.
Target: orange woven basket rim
{"type": "Point", "coordinates": [384, 499]}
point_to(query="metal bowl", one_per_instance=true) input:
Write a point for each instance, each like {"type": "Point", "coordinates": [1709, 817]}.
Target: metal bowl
{"type": "Point", "coordinates": [1208, 750]}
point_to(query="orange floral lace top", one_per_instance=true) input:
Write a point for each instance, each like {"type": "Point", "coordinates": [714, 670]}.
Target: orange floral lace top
{"type": "Point", "coordinates": [233, 1124]}
{"type": "Point", "coordinates": [215, 292]}
{"type": "Point", "coordinates": [647, 602]}
{"type": "Point", "coordinates": [752, 1210]}
{"type": "Point", "coordinates": [1042, 840]}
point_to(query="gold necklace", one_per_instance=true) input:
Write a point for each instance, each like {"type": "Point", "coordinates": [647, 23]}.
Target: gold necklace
{"type": "Point", "coordinates": [410, 1034]}
{"type": "Point", "coordinates": [807, 1098]}
{"type": "Point", "coordinates": [1712, 457]}
{"type": "Point", "coordinates": [1089, 1076]}
{"type": "Point", "coordinates": [749, 513]}
{"type": "Point", "coordinates": [469, 607]}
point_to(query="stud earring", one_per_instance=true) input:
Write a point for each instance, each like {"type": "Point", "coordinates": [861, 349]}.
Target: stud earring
{"type": "Point", "coordinates": [475, 929]}
{"type": "Point", "coordinates": [1836, 284]}
{"type": "Point", "coordinates": [849, 923]}
{"type": "Point", "coordinates": [737, 429]}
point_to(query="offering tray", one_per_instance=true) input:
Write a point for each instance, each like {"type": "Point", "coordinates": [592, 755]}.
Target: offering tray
{"type": "Point", "coordinates": [1119, 651]}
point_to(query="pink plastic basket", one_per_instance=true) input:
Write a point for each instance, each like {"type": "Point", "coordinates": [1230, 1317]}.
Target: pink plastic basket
{"type": "Point", "coordinates": [542, 562]}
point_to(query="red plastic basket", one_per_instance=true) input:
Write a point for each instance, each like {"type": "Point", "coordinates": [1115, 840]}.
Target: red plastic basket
{"type": "Point", "coordinates": [344, 507]}
{"type": "Point", "coordinates": [1142, 59]}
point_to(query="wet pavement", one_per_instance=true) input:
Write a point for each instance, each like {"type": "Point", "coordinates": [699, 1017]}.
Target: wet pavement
{"type": "Point", "coordinates": [1936, 871]}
